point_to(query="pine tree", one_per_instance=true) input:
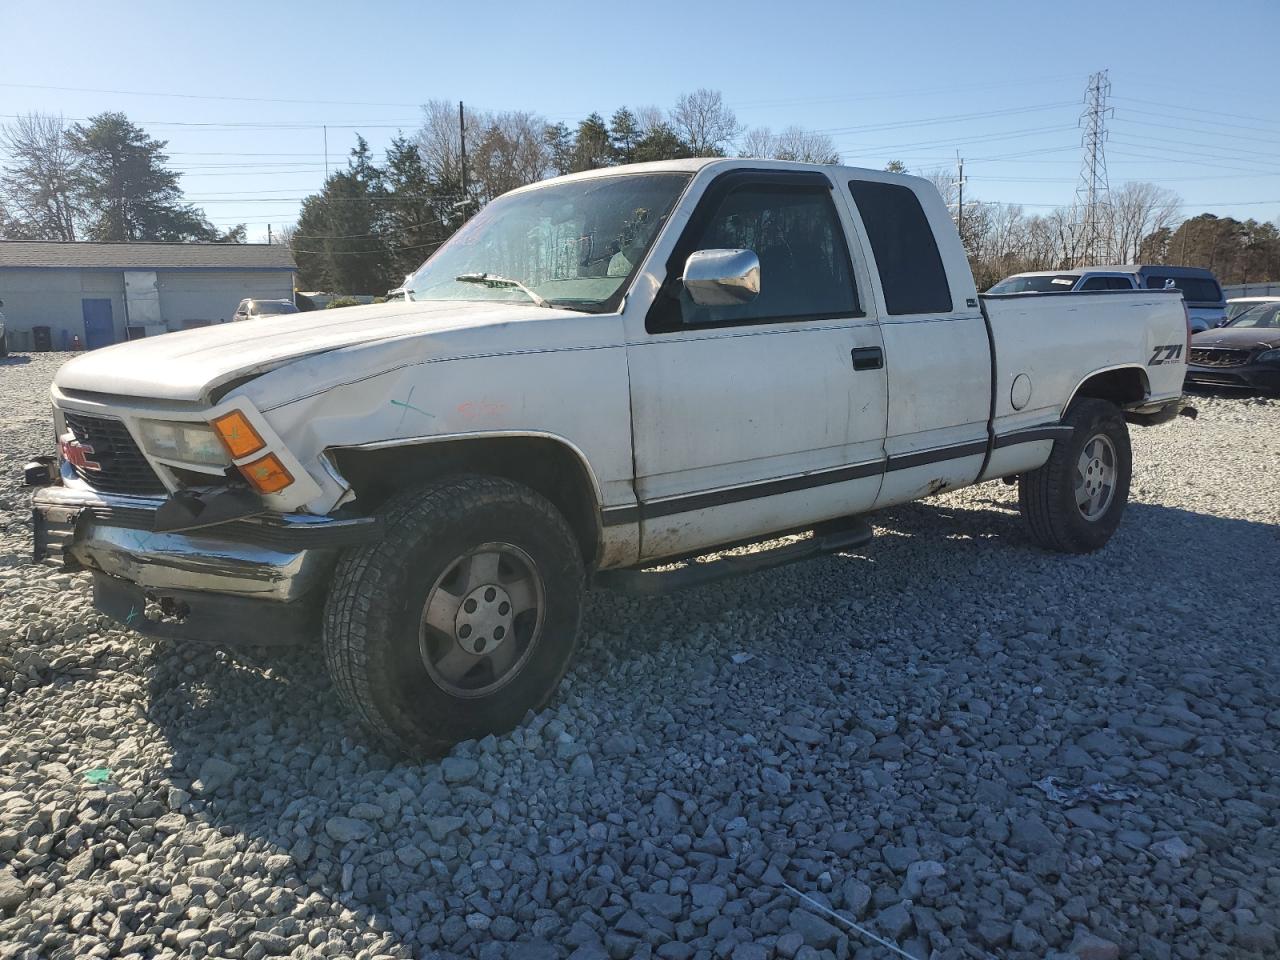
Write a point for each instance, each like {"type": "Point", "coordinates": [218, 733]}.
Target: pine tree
{"type": "Point", "coordinates": [560, 143]}
{"type": "Point", "coordinates": [624, 135]}
{"type": "Point", "coordinates": [123, 182]}
{"type": "Point", "coordinates": [418, 212]}
{"type": "Point", "coordinates": [340, 241]}
{"type": "Point", "coordinates": [662, 143]}
{"type": "Point", "coordinates": [592, 148]}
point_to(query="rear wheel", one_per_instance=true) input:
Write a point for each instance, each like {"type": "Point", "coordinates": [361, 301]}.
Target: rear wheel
{"type": "Point", "coordinates": [462, 619]}
{"type": "Point", "coordinates": [1074, 502]}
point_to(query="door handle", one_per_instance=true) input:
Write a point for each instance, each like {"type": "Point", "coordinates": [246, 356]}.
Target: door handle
{"type": "Point", "coordinates": [867, 358]}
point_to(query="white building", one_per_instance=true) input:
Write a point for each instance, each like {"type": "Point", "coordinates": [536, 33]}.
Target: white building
{"type": "Point", "coordinates": [104, 293]}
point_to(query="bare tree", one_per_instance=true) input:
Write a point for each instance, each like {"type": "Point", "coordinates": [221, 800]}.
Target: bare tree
{"type": "Point", "coordinates": [504, 150]}
{"type": "Point", "coordinates": [1040, 248]}
{"type": "Point", "coordinates": [704, 122]}
{"type": "Point", "coordinates": [440, 141]}
{"type": "Point", "coordinates": [1138, 210]}
{"type": "Point", "coordinates": [1064, 222]}
{"type": "Point", "coordinates": [649, 119]}
{"type": "Point", "coordinates": [947, 184]}
{"type": "Point", "coordinates": [39, 184]}
{"type": "Point", "coordinates": [793, 143]}
{"type": "Point", "coordinates": [758, 143]}
{"type": "Point", "coordinates": [511, 152]}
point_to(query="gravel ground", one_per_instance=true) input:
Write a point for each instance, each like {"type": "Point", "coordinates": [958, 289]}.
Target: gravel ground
{"type": "Point", "coordinates": [968, 746]}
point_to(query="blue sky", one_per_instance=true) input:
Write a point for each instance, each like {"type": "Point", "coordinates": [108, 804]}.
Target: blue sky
{"type": "Point", "coordinates": [1193, 83]}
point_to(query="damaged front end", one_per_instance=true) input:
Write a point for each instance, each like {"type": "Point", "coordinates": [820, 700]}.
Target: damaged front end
{"type": "Point", "coordinates": [211, 566]}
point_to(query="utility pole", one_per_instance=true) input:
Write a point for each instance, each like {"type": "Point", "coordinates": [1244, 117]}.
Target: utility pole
{"type": "Point", "coordinates": [268, 233]}
{"type": "Point", "coordinates": [1093, 192]}
{"type": "Point", "coordinates": [960, 197]}
{"type": "Point", "coordinates": [326, 152]}
{"type": "Point", "coordinates": [462, 139]}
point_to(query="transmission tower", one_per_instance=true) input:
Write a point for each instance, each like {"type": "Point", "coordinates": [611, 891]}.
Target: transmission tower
{"type": "Point", "coordinates": [1093, 194]}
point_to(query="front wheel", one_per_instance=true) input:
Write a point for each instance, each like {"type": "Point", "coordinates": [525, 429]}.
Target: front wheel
{"type": "Point", "coordinates": [462, 619]}
{"type": "Point", "coordinates": [1074, 502]}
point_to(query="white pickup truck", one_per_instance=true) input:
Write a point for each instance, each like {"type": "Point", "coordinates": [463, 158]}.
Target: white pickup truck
{"type": "Point", "coordinates": [597, 375]}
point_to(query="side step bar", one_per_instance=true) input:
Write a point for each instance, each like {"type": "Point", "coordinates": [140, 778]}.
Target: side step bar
{"type": "Point", "coordinates": [828, 538]}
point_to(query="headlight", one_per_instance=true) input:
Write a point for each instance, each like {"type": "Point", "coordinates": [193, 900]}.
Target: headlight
{"type": "Point", "coordinates": [183, 442]}
{"type": "Point", "coordinates": [1268, 356]}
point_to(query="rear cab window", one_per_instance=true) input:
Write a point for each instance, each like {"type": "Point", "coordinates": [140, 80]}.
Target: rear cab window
{"type": "Point", "coordinates": [912, 274]}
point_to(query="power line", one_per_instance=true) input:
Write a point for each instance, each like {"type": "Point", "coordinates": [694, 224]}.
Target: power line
{"type": "Point", "coordinates": [362, 253]}
{"type": "Point", "coordinates": [953, 141]}
{"type": "Point", "coordinates": [1209, 133]}
{"type": "Point", "coordinates": [1165, 158]}
{"type": "Point", "coordinates": [250, 124]}
{"type": "Point", "coordinates": [1212, 113]}
{"type": "Point", "coordinates": [948, 118]}
{"type": "Point", "coordinates": [201, 96]}
{"type": "Point", "coordinates": [894, 95]}
{"type": "Point", "coordinates": [1201, 150]}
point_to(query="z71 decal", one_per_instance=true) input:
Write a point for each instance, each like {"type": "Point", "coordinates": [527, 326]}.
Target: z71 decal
{"type": "Point", "coordinates": [1169, 353]}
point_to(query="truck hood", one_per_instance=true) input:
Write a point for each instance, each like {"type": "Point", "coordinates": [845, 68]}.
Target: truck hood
{"type": "Point", "coordinates": [1237, 337]}
{"type": "Point", "coordinates": [193, 364]}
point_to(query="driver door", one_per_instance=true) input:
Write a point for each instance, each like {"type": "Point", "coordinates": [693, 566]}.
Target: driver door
{"type": "Point", "coordinates": [764, 416]}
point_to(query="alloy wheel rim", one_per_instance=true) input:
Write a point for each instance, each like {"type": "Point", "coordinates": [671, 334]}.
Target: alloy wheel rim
{"type": "Point", "coordinates": [482, 620]}
{"type": "Point", "coordinates": [1095, 480]}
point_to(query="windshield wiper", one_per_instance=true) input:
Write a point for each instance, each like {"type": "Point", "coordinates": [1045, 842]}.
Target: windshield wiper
{"type": "Point", "coordinates": [495, 281]}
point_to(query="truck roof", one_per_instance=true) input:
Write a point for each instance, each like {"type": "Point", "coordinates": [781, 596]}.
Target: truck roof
{"type": "Point", "coordinates": [1135, 268]}
{"type": "Point", "coordinates": [694, 164]}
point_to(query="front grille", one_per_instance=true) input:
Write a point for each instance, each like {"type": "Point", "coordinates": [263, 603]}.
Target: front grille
{"type": "Point", "coordinates": [1219, 357]}
{"type": "Point", "coordinates": [123, 467]}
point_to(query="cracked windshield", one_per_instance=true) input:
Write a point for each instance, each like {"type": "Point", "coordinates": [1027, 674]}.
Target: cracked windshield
{"type": "Point", "coordinates": [574, 245]}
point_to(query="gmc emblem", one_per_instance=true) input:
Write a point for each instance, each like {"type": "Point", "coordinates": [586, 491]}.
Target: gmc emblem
{"type": "Point", "coordinates": [77, 453]}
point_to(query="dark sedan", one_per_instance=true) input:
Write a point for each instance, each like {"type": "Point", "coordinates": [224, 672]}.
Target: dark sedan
{"type": "Point", "coordinates": [1245, 353]}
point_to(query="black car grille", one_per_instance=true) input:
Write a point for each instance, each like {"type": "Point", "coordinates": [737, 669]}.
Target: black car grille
{"type": "Point", "coordinates": [123, 468]}
{"type": "Point", "coordinates": [1219, 357]}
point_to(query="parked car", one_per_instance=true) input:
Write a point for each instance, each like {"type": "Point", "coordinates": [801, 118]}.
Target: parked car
{"type": "Point", "coordinates": [1245, 353]}
{"type": "Point", "coordinates": [730, 350]}
{"type": "Point", "coordinates": [1238, 305]}
{"type": "Point", "coordinates": [254, 309]}
{"type": "Point", "coordinates": [1199, 286]}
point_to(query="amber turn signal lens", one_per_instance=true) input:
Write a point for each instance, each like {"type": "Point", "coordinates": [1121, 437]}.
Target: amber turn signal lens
{"type": "Point", "coordinates": [267, 474]}
{"type": "Point", "coordinates": [237, 434]}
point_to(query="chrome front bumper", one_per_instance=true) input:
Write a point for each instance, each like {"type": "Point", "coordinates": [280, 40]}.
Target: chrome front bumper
{"type": "Point", "coordinates": [276, 558]}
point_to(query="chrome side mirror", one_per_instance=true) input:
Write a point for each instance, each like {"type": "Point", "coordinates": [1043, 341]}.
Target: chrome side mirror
{"type": "Point", "coordinates": [722, 278]}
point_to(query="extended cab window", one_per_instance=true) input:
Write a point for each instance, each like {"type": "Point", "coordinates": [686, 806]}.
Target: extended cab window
{"type": "Point", "coordinates": [805, 271]}
{"type": "Point", "coordinates": [911, 270]}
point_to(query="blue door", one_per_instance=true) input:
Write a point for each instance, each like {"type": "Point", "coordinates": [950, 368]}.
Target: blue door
{"type": "Point", "coordinates": [99, 330]}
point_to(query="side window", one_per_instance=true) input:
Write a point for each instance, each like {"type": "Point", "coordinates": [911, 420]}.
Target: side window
{"type": "Point", "coordinates": [911, 270]}
{"type": "Point", "coordinates": [1097, 283]}
{"type": "Point", "coordinates": [805, 272]}
{"type": "Point", "coordinates": [1119, 283]}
